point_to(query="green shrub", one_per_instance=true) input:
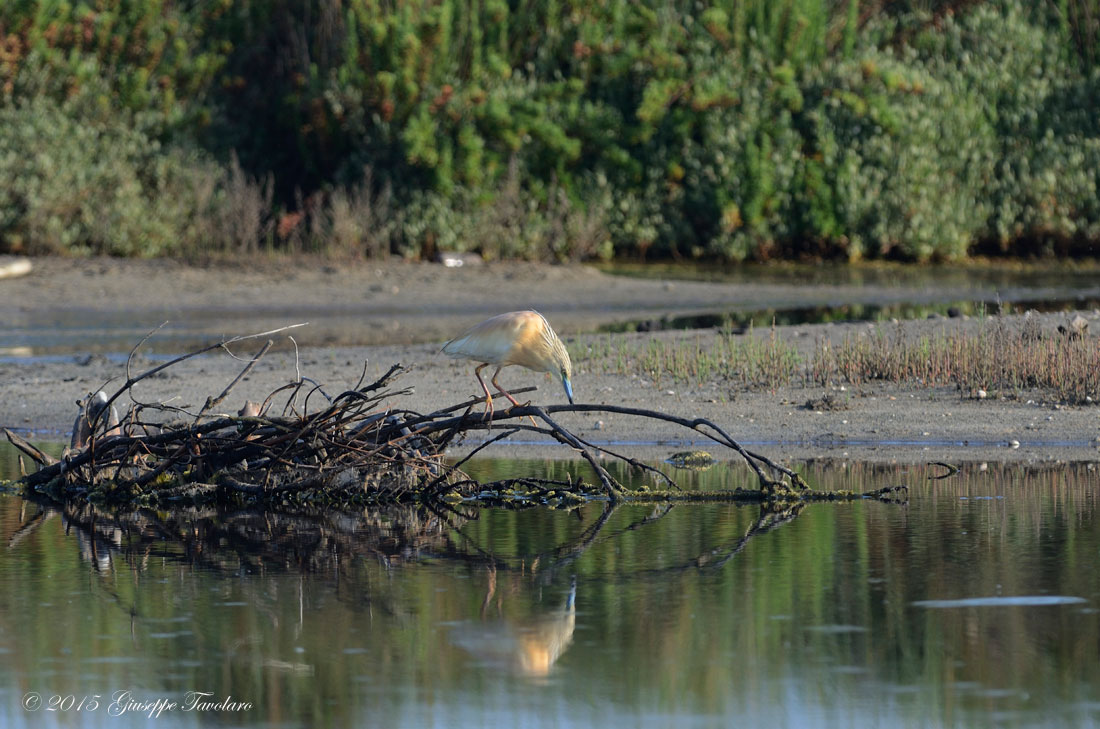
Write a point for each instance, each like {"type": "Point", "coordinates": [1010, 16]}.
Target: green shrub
{"type": "Point", "coordinates": [1040, 179]}
{"type": "Point", "coordinates": [736, 130]}
{"type": "Point", "coordinates": [144, 55]}
{"type": "Point", "coordinates": [80, 180]}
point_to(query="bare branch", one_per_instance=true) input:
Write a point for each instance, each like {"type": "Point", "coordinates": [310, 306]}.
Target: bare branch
{"type": "Point", "coordinates": [348, 448]}
{"type": "Point", "coordinates": [214, 402]}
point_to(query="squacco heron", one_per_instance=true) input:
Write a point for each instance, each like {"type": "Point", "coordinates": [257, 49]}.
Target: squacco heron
{"type": "Point", "coordinates": [522, 338]}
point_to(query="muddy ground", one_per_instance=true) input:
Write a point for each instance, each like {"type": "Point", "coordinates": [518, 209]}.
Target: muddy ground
{"type": "Point", "coordinates": [378, 314]}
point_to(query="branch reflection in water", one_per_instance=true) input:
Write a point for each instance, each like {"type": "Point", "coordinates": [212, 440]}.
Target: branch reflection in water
{"type": "Point", "coordinates": [526, 644]}
{"type": "Point", "coordinates": [315, 542]}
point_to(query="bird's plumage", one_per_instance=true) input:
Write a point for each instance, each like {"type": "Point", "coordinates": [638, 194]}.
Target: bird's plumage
{"type": "Point", "coordinates": [521, 338]}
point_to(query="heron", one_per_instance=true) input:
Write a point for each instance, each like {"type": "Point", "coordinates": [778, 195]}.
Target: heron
{"type": "Point", "coordinates": [522, 338]}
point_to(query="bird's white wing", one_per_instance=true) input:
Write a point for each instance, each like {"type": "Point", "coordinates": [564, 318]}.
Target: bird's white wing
{"type": "Point", "coordinates": [494, 339]}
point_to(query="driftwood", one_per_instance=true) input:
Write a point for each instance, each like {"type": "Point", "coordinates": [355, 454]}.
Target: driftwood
{"type": "Point", "coordinates": [347, 448]}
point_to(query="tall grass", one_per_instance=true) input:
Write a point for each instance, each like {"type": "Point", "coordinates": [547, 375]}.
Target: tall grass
{"type": "Point", "coordinates": [998, 359]}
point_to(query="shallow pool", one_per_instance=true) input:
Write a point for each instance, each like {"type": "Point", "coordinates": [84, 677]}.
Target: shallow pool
{"type": "Point", "coordinates": [975, 604]}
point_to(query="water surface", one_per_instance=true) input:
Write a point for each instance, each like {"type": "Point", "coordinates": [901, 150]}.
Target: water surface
{"type": "Point", "coordinates": [973, 605]}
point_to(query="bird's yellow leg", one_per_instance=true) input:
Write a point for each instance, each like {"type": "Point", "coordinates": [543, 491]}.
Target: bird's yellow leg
{"type": "Point", "coordinates": [508, 394]}
{"type": "Point", "coordinates": [497, 386]}
{"type": "Point", "coordinates": [488, 397]}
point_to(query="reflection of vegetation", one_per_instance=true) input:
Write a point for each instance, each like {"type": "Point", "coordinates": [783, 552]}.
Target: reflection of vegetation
{"type": "Point", "coordinates": [741, 322]}
{"type": "Point", "coordinates": [982, 276]}
{"type": "Point", "coordinates": [821, 606]}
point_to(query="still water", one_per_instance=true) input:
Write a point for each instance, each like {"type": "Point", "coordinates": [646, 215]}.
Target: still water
{"type": "Point", "coordinates": [973, 605]}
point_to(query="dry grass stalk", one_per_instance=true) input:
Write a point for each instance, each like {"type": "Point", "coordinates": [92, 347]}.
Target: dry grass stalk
{"type": "Point", "coordinates": [1062, 363]}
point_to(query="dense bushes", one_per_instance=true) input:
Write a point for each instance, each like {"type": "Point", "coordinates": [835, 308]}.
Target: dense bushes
{"type": "Point", "coordinates": [82, 181]}
{"type": "Point", "coordinates": [554, 130]}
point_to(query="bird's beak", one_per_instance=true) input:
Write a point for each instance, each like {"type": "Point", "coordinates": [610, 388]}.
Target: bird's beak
{"type": "Point", "coordinates": [568, 388]}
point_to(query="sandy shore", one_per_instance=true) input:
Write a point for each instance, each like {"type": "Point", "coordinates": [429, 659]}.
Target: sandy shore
{"type": "Point", "coordinates": [380, 314]}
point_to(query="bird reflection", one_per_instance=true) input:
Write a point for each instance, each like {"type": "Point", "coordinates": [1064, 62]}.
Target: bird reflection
{"type": "Point", "coordinates": [527, 647]}
{"type": "Point", "coordinates": [96, 547]}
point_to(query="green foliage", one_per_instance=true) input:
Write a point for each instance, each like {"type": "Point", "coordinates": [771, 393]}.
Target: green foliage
{"type": "Point", "coordinates": [553, 130]}
{"type": "Point", "coordinates": [1039, 177]}
{"type": "Point", "coordinates": [85, 182]}
{"type": "Point", "coordinates": [140, 55]}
